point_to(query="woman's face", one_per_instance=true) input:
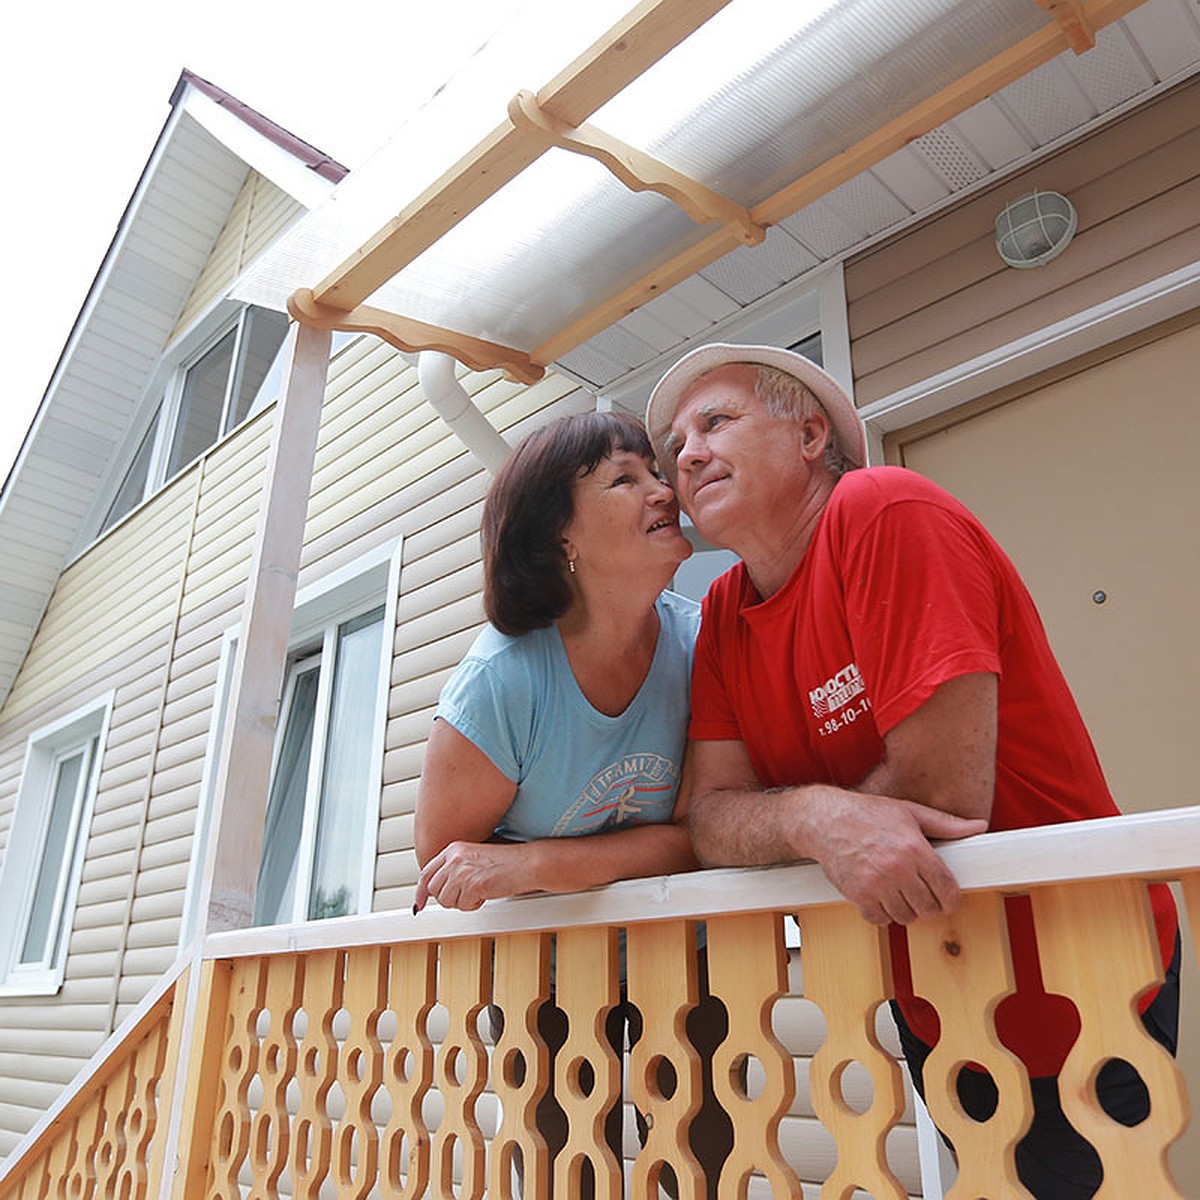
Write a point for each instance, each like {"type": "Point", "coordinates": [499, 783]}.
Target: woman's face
{"type": "Point", "coordinates": [625, 519]}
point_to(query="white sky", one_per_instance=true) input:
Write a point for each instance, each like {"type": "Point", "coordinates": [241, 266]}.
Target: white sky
{"type": "Point", "coordinates": [84, 91]}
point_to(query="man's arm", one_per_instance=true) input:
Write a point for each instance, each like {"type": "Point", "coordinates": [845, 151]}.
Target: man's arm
{"type": "Point", "coordinates": [936, 780]}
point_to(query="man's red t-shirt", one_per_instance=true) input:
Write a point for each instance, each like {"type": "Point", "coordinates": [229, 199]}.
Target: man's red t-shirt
{"type": "Point", "coordinates": [900, 590]}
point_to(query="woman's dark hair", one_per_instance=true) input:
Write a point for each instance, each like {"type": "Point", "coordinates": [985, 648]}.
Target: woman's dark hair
{"type": "Point", "coordinates": [531, 502]}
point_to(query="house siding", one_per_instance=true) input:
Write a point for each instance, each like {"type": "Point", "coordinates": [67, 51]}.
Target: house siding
{"type": "Point", "coordinates": [259, 214]}
{"type": "Point", "coordinates": [940, 294]}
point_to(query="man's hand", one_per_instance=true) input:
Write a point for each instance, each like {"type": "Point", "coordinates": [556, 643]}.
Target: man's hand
{"type": "Point", "coordinates": [465, 874]}
{"type": "Point", "coordinates": [875, 850]}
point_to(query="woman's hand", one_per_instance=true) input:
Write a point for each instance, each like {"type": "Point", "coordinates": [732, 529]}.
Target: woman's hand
{"type": "Point", "coordinates": [465, 874]}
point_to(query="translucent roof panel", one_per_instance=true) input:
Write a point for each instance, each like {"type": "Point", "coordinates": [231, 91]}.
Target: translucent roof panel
{"type": "Point", "coordinates": [762, 94]}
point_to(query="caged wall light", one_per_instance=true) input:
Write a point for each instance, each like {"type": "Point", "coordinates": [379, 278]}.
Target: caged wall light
{"type": "Point", "coordinates": [1034, 229]}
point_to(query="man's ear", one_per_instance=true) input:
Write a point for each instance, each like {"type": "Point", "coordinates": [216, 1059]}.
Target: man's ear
{"type": "Point", "coordinates": [814, 436]}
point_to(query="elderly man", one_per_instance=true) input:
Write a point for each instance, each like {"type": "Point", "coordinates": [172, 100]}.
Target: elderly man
{"type": "Point", "coordinates": [874, 674]}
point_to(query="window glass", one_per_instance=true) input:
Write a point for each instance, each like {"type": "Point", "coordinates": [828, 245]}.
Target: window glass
{"type": "Point", "coordinates": [345, 781]}
{"type": "Point", "coordinates": [276, 893]}
{"type": "Point", "coordinates": [129, 494]}
{"type": "Point", "coordinates": [260, 365]}
{"type": "Point", "coordinates": [70, 779]}
{"type": "Point", "coordinates": [201, 404]}
{"type": "Point", "coordinates": [322, 788]}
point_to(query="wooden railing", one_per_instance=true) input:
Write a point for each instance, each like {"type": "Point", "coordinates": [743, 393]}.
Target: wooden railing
{"type": "Point", "coordinates": [350, 1057]}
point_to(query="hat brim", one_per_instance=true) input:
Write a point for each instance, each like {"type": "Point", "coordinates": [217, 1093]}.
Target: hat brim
{"type": "Point", "coordinates": [839, 408]}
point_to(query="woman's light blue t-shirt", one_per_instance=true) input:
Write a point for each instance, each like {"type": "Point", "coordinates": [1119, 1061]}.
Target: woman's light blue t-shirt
{"type": "Point", "coordinates": [577, 770]}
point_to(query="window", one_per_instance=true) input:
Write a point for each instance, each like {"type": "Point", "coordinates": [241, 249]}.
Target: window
{"type": "Point", "coordinates": [323, 782]}
{"type": "Point", "coordinates": [42, 867]}
{"type": "Point", "coordinates": [322, 819]}
{"type": "Point", "coordinates": [207, 395]}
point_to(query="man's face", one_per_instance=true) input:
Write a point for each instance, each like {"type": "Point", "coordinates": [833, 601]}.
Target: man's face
{"type": "Point", "coordinates": [735, 463]}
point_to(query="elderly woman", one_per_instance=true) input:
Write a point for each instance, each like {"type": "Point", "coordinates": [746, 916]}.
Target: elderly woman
{"type": "Point", "coordinates": [556, 754]}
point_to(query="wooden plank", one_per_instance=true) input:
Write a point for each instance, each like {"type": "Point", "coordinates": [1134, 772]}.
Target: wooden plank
{"type": "Point", "coordinates": [630, 47]}
{"type": "Point", "coordinates": [240, 796]}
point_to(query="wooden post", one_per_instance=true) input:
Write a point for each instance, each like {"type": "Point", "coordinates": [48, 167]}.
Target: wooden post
{"type": "Point", "coordinates": [244, 770]}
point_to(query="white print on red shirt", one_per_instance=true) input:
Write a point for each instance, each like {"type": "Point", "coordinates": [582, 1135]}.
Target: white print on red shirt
{"type": "Point", "coordinates": [837, 691]}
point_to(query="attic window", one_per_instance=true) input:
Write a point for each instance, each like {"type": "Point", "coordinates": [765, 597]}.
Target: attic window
{"type": "Point", "coordinates": [212, 392]}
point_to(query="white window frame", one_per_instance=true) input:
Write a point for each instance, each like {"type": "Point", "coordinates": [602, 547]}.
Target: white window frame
{"type": "Point", "coordinates": [368, 581]}
{"type": "Point", "coordinates": [86, 728]}
{"type": "Point", "coordinates": [165, 391]}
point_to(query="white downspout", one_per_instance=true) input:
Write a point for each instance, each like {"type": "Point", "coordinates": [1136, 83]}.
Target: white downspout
{"type": "Point", "coordinates": [435, 373]}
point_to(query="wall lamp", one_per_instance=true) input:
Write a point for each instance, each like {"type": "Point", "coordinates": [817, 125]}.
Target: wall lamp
{"type": "Point", "coordinates": [1034, 229]}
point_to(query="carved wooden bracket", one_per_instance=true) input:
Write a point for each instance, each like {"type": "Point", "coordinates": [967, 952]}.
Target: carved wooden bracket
{"type": "Point", "coordinates": [411, 336]}
{"type": "Point", "coordinates": [1074, 22]}
{"type": "Point", "coordinates": [638, 171]}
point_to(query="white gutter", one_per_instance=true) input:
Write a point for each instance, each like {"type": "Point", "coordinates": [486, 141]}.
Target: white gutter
{"type": "Point", "coordinates": [435, 372]}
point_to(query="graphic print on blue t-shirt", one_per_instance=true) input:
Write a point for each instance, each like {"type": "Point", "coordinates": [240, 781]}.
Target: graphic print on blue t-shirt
{"type": "Point", "coordinates": [620, 795]}
{"type": "Point", "coordinates": [576, 770]}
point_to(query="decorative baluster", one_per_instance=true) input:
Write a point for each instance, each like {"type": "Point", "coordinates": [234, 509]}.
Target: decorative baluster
{"type": "Point", "coordinates": [520, 985]}
{"type": "Point", "coordinates": [36, 1182]}
{"type": "Point", "coordinates": [81, 1172]}
{"type": "Point", "coordinates": [58, 1163]}
{"type": "Point", "coordinates": [317, 1055]}
{"type": "Point", "coordinates": [587, 1072]}
{"type": "Point", "coordinates": [961, 964]}
{"type": "Point", "coordinates": [360, 1072]}
{"type": "Point", "coordinates": [847, 973]}
{"type": "Point", "coordinates": [1191, 899]}
{"type": "Point", "coordinates": [270, 1128]}
{"type": "Point", "coordinates": [663, 986]}
{"type": "Point", "coordinates": [408, 1072]}
{"type": "Point", "coordinates": [1098, 946]}
{"type": "Point", "coordinates": [231, 1137]}
{"type": "Point", "coordinates": [747, 969]}
{"type": "Point", "coordinates": [140, 1114]}
{"type": "Point", "coordinates": [110, 1145]}
{"type": "Point", "coordinates": [462, 1067]}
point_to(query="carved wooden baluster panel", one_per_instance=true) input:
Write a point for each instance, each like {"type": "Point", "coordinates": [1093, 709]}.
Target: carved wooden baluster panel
{"type": "Point", "coordinates": [848, 974]}
{"type": "Point", "coordinates": [462, 1067]}
{"type": "Point", "coordinates": [747, 969]}
{"type": "Point", "coordinates": [587, 1071]}
{"type": "Point", "coordinates": [360, 1072]}
{"type": "Point", "coordinates": [316, 1069]}
{"type": "Point", "coordinates": [521, 1065]}
{"type": "Point", "coordinates": [1191, 899]}
{"type": "Point", "coordinates": [110, 1148]}
{"type": "Point", "coordinates": [270, 1129]}
{"type": "Point", "coordinates": [408, 1072]}
{"type": "Point", "coordinates": [141, 1113]}
{"type": "Point", "coordinates": [231, 1133]}
{"type": "Point", "coordinates": [663, 985]}
{"type": "Point", "coordinates": [961, 964]}
{"type": "Point", "coordinates": [35, 1183]}
{"type": "Point", "coordinates": [56, 1163]}
{"type": "Point", "coordinates": [81, 1169]}
{"type": "Point", "coordinates": [1098, 946]}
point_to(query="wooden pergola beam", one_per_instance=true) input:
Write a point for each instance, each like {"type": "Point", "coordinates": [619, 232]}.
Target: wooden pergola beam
{"type": "Point", "coordinates": [1073, 21]}
{"type": "Point", "coordinates": [411, 336]}
{"type": "Point", "coordinates": [1034, 51]}
{"type": "Point", "coordinates": [633, 45]}
{"type": "Point", "coordinates": [627, 50]}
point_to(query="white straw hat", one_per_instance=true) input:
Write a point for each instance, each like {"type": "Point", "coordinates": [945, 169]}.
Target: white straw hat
{"type": "Point", "coordinates": [839, 408]}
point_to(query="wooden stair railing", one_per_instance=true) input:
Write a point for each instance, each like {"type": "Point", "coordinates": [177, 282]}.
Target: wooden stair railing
{"type": "Point", "coordinates": [351, 1058]}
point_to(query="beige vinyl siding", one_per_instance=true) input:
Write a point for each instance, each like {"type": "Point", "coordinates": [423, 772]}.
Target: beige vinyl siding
{"type": "Point", "coordinates": [108, 601]}
{"type": "Point", "coordinates": [259, 214]}
{"type": "Point", "coordinates": [940, 295]}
